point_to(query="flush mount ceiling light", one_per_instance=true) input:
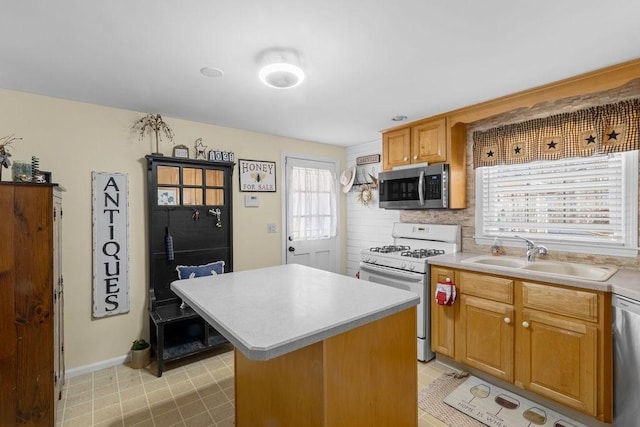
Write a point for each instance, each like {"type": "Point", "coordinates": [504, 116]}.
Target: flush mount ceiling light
{"type": "Point", "coordinates": [398, 118]}
{"type": "Point", "coordinates": [211, 72]}
{"type": "Point", "coordinates": [280, 69]}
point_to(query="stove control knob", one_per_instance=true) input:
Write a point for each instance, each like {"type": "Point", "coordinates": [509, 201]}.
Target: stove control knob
{"type": "Point", "coordinates": [412, 267]}
{"type": "Point", "coordinates": [403, 265]}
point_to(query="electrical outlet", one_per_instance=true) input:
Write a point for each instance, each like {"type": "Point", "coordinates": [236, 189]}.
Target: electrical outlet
{"type": "Point", "coordinates": [271, 227]}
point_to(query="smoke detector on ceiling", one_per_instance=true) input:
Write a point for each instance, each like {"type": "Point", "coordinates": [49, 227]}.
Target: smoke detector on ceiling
{"type": "Point", "coordinates": [280, 68]}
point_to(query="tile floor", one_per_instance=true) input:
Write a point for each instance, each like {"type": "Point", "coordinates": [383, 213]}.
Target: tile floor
{"type": "Point", "coordinates": [193, 394]}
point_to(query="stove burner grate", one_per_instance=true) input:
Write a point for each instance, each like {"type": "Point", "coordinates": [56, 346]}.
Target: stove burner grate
{"type": "Point", "coordinates": [390, 248]}
{"type": "Point", "coordinates": [422, 253]}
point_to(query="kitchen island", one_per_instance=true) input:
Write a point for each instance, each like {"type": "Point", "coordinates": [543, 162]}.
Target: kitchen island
{"type": "Point", "coordinates": [313, 348]}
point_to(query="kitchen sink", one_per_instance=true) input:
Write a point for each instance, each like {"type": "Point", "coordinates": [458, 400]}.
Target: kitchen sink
{"type": "Point", "coordinates": [581, 271]}
{"type": "Point", "coordinates": [498, 261]}
{"type": "Point", "coordinates": [557, 268]}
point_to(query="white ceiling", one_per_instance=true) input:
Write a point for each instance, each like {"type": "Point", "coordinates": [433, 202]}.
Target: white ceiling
{"type": "Point", "coordinates": [366, 60]}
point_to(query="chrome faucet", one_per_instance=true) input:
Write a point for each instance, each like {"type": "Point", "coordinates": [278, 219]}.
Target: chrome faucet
{"type": "Point", "coordinates": [533, 249]}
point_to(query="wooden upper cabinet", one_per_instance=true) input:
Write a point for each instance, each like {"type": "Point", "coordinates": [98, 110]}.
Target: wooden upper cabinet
{"type": "Point", "coordinates": [429, 142]}
{"type": "Point", "coordinates": [396, 148]}
{"type": "Point", "coordinates": [423, 142]}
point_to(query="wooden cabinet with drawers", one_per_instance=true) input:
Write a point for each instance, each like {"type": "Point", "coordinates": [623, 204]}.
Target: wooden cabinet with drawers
{"type": "Point", "coordinates": [562, 339]}
{"type": "Point", "coordinates": [552, 340]}
{"type": "Point", "coordinates": [485, 334]}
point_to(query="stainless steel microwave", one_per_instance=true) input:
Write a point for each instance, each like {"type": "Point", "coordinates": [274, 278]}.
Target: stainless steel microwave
{"type": "Point", "coordinates": [423, 187]}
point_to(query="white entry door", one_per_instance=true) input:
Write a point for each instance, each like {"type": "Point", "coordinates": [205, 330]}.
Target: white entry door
{"type": "Point", "coordinates": [311, 206]}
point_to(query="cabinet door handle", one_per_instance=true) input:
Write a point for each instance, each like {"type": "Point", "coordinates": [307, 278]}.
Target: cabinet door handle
{"type": "Point", "coordinates": [507, 320]}
{"type": "Point", "coordinates": [405, 159]}
{"type": "Point", "coordinates": [415, 157]}
{"type": "Point", "coordinates": [525, 324]}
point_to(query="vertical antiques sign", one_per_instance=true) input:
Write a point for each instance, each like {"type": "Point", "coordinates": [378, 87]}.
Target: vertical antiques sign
{"type": "Point", "coordinates": [110, 243]}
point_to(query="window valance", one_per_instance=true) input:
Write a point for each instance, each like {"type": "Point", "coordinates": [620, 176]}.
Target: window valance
{"type": "Point", "coordinates": [596, 130]}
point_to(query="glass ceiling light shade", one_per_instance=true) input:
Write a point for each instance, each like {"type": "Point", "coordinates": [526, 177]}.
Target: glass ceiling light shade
{"type": "Point", "coordinates": [280, 68]}
{"type": "Point", "coordinates": [281, 75]}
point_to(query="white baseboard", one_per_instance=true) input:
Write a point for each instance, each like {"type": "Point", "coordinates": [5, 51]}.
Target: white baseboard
{"type": "Point", "coordinates": [86, 369]}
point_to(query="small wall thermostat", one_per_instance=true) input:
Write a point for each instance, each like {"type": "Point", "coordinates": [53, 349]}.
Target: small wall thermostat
{"type": "Point", "coordinates": [251, 202]}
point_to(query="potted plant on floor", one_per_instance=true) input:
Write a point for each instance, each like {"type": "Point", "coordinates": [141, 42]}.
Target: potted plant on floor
{"type": "Point", "coordinates": [140, 354]}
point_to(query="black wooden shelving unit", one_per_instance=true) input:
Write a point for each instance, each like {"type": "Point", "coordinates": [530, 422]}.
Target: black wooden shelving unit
{"type": "Point", "coordinates": [183, 197]}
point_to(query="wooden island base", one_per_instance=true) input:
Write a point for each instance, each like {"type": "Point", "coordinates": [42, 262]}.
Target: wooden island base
{"type": "Point", "coordinates": [361, 378]}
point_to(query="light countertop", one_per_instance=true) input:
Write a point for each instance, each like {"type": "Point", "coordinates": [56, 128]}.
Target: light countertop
{"type": "Point", "coordinates": [625, 282]}
{"type": "Point", "coordinates": [271, 311]}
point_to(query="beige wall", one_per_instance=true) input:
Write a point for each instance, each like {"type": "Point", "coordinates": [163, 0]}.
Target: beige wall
{"type": "Point", "coordinates": [73, 139]}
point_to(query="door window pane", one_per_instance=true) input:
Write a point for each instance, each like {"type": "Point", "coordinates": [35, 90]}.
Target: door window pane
{"type": "Point", "coordinates": [313, 204]}
{"type": "Point", "coordinates": [168, 175]}
{"type": "Point", "coordinates": [168, 196]}
{"type": "Point", "coordinates": [214, 178]}
{"type": "Point", "coordinates": [192, 196]}
{"type": "Point", "coordinates": [215, 197]}
{"type": "Point", "coordinates": [192, 176]}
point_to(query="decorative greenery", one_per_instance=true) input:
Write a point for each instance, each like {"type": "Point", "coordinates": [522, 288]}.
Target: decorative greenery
{"type": "Point", "coordinates": [140, 344]}
{"type": "Point", "coordinates": [5, 142]}
{"type": "Point", "coordinates": [154, 123]}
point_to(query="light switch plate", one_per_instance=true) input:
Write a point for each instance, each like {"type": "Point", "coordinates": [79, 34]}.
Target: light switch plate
{"type": "Point", "coordinates": [271, 227]}
{"type": "Point", "coordinates": [251, 202]}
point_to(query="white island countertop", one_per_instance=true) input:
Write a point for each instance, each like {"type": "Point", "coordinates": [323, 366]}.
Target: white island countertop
{"type": "Point", "coordinates": [271, 311]}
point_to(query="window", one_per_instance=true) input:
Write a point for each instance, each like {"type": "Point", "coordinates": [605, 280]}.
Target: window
{"type": "Point", "coordinates": [586, 204]}
{"type": "Point", "coordinates": [313, 204]}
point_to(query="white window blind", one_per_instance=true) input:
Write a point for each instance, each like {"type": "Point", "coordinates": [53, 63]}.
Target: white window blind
{"type": "Point", "coordinates": [587, 200]}
{"type": "Point", "coordinates": [313, 213]}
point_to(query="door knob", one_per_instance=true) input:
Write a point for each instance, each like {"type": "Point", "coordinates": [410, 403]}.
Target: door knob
{"type": "Point", "coordinates": [292, 249]}
{"type": "Point", "coordinates": [525, 324]}
{"type": "Point", "coordinates": [507, 320]}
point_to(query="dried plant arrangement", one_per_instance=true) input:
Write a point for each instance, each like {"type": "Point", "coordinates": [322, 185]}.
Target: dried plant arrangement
{"type": "Point", "coordinates": [5, 142]}
{"type": "Point", "coordinates": [154, 123]}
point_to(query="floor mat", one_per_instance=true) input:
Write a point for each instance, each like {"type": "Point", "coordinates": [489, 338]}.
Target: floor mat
{"type": "Point", "coordinates": [431, 400]}
{"type": "Point", "coordinates": [495, 406]}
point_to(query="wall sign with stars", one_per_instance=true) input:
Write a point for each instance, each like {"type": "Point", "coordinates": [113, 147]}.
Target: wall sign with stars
{"type": "Point", "coordinates": [602, 129]}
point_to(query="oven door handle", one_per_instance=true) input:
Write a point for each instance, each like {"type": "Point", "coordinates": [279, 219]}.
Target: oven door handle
{"type": "Point", "coordinates": [391, 272]}
{"type": "Point", "coordinates": [420, 188]}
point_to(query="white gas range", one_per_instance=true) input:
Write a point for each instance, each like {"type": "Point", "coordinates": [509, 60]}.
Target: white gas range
{"type": "Point", "coordinates": [404, 265]}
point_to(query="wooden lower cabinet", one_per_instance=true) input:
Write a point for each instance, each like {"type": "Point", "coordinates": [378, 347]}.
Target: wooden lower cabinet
{"type": "Point", "coordinates": [442, 316]}
{"type": "Point", "coordinates": [486, 336]}
{"type": "Point", "coordinates": [552, 340]}
{"type": "Point", "coordinates": [559, 359]}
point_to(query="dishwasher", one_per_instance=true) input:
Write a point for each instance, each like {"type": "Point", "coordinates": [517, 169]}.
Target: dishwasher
{"type": "Point", "coordinates": [626, 361]}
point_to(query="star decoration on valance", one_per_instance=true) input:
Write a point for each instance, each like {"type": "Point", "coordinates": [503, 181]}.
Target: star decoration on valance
{"type": "Point", "coordinates": [599, 129]}
{"type": "Point", "coordinates": [613, 135]}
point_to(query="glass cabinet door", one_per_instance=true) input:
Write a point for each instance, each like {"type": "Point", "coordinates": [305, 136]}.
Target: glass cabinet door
{"type": "Point", "coordinates": [190, 186]}
{"type": "Point", "coordinates": [168, 185]}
